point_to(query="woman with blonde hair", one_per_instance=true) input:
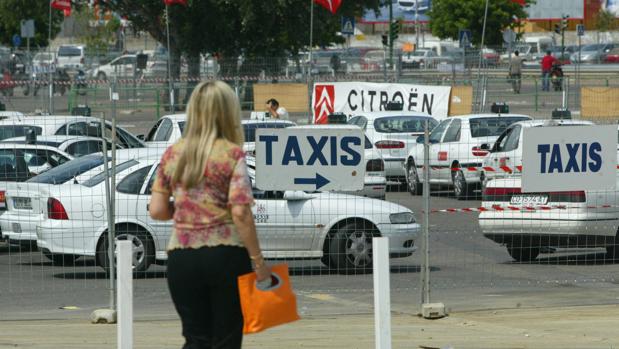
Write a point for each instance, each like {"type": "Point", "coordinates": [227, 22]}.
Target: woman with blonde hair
{"type": "Point", "coordinates": [214, 238]}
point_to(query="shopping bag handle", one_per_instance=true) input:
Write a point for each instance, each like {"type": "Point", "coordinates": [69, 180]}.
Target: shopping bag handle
{"type": "Point", "coordinates": [276, 282]}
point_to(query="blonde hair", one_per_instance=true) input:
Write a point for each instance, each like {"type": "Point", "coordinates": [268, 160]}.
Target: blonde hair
{"type": "Point", "coordinates": [213, 112]}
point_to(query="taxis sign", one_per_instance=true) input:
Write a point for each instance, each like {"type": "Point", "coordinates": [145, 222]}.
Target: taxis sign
{"type": "Point", "coordinates": [565, 158]}
{"type": "Point", "coordinates": [310, 158]}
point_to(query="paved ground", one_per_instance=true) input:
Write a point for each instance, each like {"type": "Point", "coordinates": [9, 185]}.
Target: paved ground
{"type": "Point", "coordinates": [567, 327]}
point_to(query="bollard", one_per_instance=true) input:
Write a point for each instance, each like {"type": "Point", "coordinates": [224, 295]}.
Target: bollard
{"type": "Point", "coordinates": [382, 293]}
{"type": "Point", "coordinates": [124, 289]}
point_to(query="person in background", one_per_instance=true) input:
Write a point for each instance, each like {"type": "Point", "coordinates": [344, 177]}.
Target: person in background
{"type": "Point", "coordinates": [214, 236]}
{"type": "Point", "coordinates": [547, 63]}
{"type": "Point", "coordinates": [515, 71]}
{"type": "Point", "coordinates": [275, 110]}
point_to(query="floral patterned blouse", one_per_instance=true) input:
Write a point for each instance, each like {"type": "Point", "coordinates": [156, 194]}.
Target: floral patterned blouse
{"type": "Point", "coordinates": [202, 214]}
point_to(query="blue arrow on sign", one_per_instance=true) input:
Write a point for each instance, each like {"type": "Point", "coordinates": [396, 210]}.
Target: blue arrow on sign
{"type": "Point", "coordinates": [319, 181]}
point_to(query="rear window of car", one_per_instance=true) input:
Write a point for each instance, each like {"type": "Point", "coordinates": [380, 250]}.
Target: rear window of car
{"type": "Point", "coordinates": [98, 178]}
{"type": "Point", "coordinates": [491, 127]}
{"type": "Point", "coordinates": [69, 170]}
{"type": "Point", "coordinates": [399, 124]}
{"type": "Point", "coordinates": [181, 125]}
{"type": "Point", "coordinates": [69, 51]}
{"type": "Point", "coordinates": [10, 131]}
{"type": "Point", "coordinates": [249, 130]}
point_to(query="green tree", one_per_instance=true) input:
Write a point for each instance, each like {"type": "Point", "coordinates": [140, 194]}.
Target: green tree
{"type": "Point", "coordinates": [605, 21]}
{"type": "Point", "coordinates": [98, 37]}
{"type": "Point", "coordinates": [448, 17]}
{"type": "Point", "coordinates": [12, 12]}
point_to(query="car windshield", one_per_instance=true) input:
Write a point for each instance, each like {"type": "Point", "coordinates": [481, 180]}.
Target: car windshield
{"type": "Point", "coordinates": [69, 51]}
{"type": "Point", "coordinates": [419, 53]}
{"type": "Point", "coordinates": [69, 170]}
{"type": "Point", "coordinates": [492, 127]}
{"type": "Point", "coordinates": [98, 178]}
{"type": "Point", "coordinates": [399, 124]}
{"type": "Point", "coordinates": [43, 57]}
{"type": "Point", "coordinates": [249, 130]}
{"type": "Point", "coordinates": [10, 131]}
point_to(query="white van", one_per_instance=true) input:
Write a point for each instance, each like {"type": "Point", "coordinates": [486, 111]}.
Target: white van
{"type": "Point", "coordinates": [70, 56]}
{"type": "Point", "coordinates": [539, 46]}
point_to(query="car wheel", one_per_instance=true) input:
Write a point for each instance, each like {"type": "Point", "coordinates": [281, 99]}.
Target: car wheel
{"type": "Point", "coordinates": [351, 248]}
{"type": "Point", "coordinates": [461, 188]}
{"type": "Point", "coordinates": [523, 253]}
{"type": "Point", "coordinates": [61, 259]}
{"type": "Point", "coordinates": [143, 249]}
{"type": "Point", "coordinates": [101, 76]}
{"type": "Point", "coordinates": [412, 180]}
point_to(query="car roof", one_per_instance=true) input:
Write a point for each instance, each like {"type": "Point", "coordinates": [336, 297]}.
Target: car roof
{"type": "Point", "coordinates": [380, 114]}
{"type": "Point", "coordinates": [176, 117]}
{"type": "Point", "coordinates": [46, 119]}
{"type": "Point", "coordinates": [323, 126]}
{"type": "Point", "coordinates": [53, 138]}
{"type": "Point", "coordinates": [272, 121]}
{"type": "Point", "coordinates": [488, 115]}
{"type": "Point", "coordinates": [11, 145]}
{"type": "Point", "coordinates": [538, 123]}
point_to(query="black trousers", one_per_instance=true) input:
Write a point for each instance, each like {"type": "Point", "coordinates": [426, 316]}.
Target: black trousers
{"type": "Point", "coordinates": [204, 289]}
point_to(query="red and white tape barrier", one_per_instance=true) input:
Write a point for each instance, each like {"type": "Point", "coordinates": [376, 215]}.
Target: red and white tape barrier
{"type": "Point", "coordinates": [500, 208]}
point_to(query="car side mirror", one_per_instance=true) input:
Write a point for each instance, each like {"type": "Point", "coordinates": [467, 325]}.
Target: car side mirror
{"type": "Point", "coordinates": [485, 146]}
{"type": "Point", "coordinates": [296, 195]}
{"type": "Point", "coordinates": [141, 137]}
{"type": "Point", "coordinates": [421, 139]}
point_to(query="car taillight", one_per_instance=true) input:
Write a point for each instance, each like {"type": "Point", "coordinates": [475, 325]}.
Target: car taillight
{"type": "Point", "coordinates": [477, 151]}
{"type": "Point", "coordinates": [55, 210]}
{"type": "Point", "coordinates": [389, 145]}
{"type": "Point", "coordinates": [499, 194]}
{"type": "Point", "coordinates": [375, 165]}
{"type": "Point", "coordinates": [567, 196]}
{"type": "Point", "coordinates": [2, 200]}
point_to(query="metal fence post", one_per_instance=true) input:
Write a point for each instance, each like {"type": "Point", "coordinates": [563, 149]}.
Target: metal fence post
{"type": "Point", "coordinates": [125, 296]}
{"type": "Point", "coordinates": [382, 293]}
{"type": "Point", "coordinates": [536, 95]}
{"type": "Point", "coordinates": [425, 271]}
{"type": "Point", "coordinates": [564, 101]}
{"type": "Point", "coordinates": [112, 188]}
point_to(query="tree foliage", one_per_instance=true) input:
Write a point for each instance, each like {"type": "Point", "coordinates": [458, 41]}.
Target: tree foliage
{"type": "Point", "coordinates": [605, 21]}
{"type": "Point", "coordinates": [448, 17]}
{"type": "Point", "coordinates": [12, 12]}
{"type": "Point", "coordinates": [98, 37]}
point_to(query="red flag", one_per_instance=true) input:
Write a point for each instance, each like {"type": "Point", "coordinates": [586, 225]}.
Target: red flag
{"type": "Point", "coordinates": [174, 2]}
{"type": "Point", "coordinates": [331, 5]}
{"type": "Point", "coordinates": [67, 12]}
{"type": "Point", "coordinates": [61, 5]}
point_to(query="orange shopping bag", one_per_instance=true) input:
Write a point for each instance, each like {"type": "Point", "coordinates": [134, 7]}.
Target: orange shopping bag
{"type": "Point", "coordinates": [266, 308]}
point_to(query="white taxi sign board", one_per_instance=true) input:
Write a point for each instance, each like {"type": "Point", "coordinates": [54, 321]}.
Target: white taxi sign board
{"type": "Point", "coordinates": [310, 158]}
{"type": "Point", "coordinates": [563, 158]}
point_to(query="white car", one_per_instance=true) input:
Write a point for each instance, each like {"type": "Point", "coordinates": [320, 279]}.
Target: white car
{"type": "Point", "coordinates": [420, 58]}
{"type": "Point", "coordinates": [66, 125]}
{"type": "Point", "coordinates": [590, 219]}
{"type": "Point", "coordinates": [70, 56]}
{"type": "Point", "coordinates": [75, 146]}
{"type": "Point", "coordinates": [505, 155]}
{"type": "Point", "coordinates": [121, 67]}
{"type": "Point", "coordinates": [335, 228]}
{"type": "Point", "coordinates": [457, 143]}
{"type": "Point", "coordinates": [19, 225]}
{"type": "Point", "coordinates": [393, 133]}
{"type": "Point", "coordinates": [412, 5]}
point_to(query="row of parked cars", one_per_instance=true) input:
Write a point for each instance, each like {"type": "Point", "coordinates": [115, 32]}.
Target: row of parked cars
{"type": "Point", "coordinates": [53, 195]}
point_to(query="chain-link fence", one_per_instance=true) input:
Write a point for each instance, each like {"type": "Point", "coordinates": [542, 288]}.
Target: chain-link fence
{"type": "Point", "coordinates": [491, 245]}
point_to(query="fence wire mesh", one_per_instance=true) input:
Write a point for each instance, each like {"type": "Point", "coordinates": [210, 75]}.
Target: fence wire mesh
{"type": "Point", "coordinates": [541, 249]}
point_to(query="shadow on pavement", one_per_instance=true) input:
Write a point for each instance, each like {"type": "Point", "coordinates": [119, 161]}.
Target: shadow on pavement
{"type": "Point", "coordinates": [576, 259]}
{"type": "Point", "coordinates": [101, 275]}
{"type": "Point", "coordinates": [317, 271]}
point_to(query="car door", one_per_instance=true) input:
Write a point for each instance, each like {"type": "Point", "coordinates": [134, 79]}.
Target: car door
{"type": "Point", "coordinates": [505, 151]}
{"type": "Point", "coordinates": [283, 225]}
{"type": "Point", "coordinates": [41, 160]}
{"type": "Point", "coordinates": [451, 144]}
{"type": "Point", "coordinates": [438, 152]}
{"type": "Point", "coordinates": [85, 147]}
{"type": "Point", "coordinates": [164, 131]}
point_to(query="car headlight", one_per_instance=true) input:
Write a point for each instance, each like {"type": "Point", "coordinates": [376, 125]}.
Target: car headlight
{"type": "Point", "coordinates": [402, 218]}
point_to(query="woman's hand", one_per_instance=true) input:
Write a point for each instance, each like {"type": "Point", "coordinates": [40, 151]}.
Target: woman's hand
{"type": "Point", "coordinates": [263, 272]}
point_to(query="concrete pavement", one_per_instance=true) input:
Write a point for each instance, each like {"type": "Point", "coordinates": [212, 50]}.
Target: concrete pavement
{"type": "Point", "coordinates": [565, 327]}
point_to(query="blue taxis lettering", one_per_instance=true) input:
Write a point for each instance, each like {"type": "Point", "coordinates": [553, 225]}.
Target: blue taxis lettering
{"type": "Point", "coordinates": [292, 151]}
{"type": "Point", "coordinates": [581, 157]}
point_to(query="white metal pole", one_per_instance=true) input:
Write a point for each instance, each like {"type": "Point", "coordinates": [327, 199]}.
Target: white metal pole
{"type": "Point", "coordinates": [481, 46]}
{"type": "Point", "coordinates": [310, 114]}
{"type": "Point", "coordinates": [51, 74]}
{"type": "Point", "coordinates": [382, 293]}
{"type": "Point", "coordinates": [125, 295]}
{"type": "Point", "coordinates": [109, 212]}
{"type": "Point", "coordinates": [170, 83]}
{"type": "Point", "coordinates": [426, 215]}
{"type": "Point", "coordinates": [416, 24]}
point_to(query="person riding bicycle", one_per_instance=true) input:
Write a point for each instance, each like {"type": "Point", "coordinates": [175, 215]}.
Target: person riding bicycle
{"type": "Point", "coordinates": [556, 76]}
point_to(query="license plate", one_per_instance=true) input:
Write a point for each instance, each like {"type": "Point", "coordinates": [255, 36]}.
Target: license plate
{"type": "Point", "coordinates": [22, 203]}
{"type": "Point", "coordinates": [529, 200]}
{"type": "Point", "coordinates": [16, 228]}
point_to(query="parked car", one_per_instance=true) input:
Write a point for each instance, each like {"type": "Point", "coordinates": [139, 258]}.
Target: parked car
{"type": "Point", "coordinates": [120, 67]}
{"type": "Point", "coordinates": [506, 152]}
{"type": "Point", "coordinates": [250, 127]}
{"type": "Point", "coordinates": [420, 58]}
{"type": "Point", "coordinates": [167, 130]}
{"type": "Point", "coordinates": [70, 57]}
{"type": "Point", "coordinates": [393, 133]}
{"type": "Point", "coordinates": [66, 125]}
{"type": "Point", "coordinates": [490, 58]}
{"type": "Point", "coordinates": [335, 228]}
{"type": "Point", "coordinates": [590, 220]}
{"type": "Point", "coordinates": [75, 146]}
{"type": "Point", "coordinates": [412, 5]}
{"type": "Point", "coordinates": [456, 144]}
{"type": "Point", "coordinates": [612, 56]}
{"type": "Point", "coordinates": [591, 54]}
